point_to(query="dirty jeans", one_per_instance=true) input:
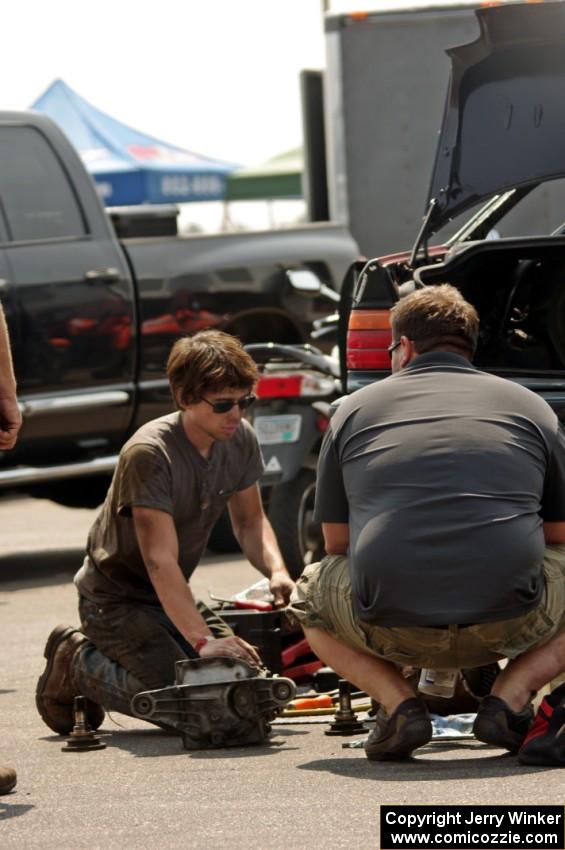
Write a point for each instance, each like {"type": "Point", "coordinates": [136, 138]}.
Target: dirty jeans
{"type": "Point", "coordinates": [131, 648]}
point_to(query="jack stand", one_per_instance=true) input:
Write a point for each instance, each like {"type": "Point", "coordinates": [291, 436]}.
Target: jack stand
{"type": "Point", "coordinates": [82, 737]}
{"type": "Point", "coordinates": [346, 722]}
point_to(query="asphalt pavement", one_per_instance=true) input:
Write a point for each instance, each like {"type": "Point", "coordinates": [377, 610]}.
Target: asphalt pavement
{"type": "Point", "coordinates": [301, 791]}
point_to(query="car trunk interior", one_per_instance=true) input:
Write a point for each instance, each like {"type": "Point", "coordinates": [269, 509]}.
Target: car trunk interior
{"type": "Point", "coordinates": [518, 289]}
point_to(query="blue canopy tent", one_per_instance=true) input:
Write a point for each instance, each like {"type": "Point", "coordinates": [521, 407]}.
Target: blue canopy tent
{"type": "Point", "coordinates": [130, 167]}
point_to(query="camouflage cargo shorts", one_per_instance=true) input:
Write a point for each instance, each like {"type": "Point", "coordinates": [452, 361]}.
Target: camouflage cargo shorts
{"type": "Point", "coordinates": [322, 599]}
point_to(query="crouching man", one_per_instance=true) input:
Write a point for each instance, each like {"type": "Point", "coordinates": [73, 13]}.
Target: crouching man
{"type": "Point", "coordinates": [441, 491]}
{"type": "Point", "coordinates": [173, 479]}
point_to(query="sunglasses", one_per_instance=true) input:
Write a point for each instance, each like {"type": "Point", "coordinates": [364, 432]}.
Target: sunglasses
{"type": "Point", "coordinates": [392, 347]}
{"type": "Point", "coordinates": [226, 405]}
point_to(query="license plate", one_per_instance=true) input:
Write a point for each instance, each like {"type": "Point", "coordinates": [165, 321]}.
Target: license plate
{"type": "Point", "coordinates": [273, 430]}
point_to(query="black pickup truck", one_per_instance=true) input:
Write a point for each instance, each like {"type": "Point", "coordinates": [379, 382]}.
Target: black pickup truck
{"type": "Point", "coordinates": [501, 142]}
{"type": "Point", "coordinates": [93, 307]}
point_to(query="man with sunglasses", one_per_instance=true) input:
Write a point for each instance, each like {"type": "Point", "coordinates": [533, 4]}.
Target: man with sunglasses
{"type": "Point", "coordinates": [441, 493]}
{"type": "Point", "coordinates": [174, 478]}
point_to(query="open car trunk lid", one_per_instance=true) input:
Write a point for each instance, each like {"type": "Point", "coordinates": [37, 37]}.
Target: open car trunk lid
{"type": "Point", "coordinates": [504, 120]}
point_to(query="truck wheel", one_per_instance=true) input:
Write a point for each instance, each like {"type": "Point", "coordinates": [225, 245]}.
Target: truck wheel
{"type": "Point", "coordinates": [222, 539]}
{"type": "Point", "coordinates": [290, 513]}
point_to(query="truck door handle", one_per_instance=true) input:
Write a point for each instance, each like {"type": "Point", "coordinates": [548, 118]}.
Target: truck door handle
{"type": "Point", "coordinates": [102, 276]}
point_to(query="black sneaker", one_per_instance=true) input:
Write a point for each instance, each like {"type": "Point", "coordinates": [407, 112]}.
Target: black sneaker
{"type": "Point", "coordinates": [545, 742]}
{"type": "Point", "coordinates": [395, 736]}
{"type": "Point", "coordinates": [498, 725]}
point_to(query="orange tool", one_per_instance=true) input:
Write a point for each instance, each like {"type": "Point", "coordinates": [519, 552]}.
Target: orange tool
{"type": "Point", "coordinates": [305, 703]}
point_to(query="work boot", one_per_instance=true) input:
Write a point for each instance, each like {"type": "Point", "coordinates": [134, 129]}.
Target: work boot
{"type": "Point", "coordinates": [498, 725]}
{"type": "Point", "coordinates": [395, 736]}
{"type": "Point", "coordinates": [8, 779]}
{"type": "Point", "coordinates": [55, 690]}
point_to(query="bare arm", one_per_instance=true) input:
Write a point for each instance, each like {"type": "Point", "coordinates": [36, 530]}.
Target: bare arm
{"type": "Point", "coordinates": [10, 416]}
{"type": "Point", "coordinates": [336, 537]}
{"type": "Point", "coordinates": [257, 539]}
{"type": "Point", "coordinates": [158, 542]}
{"type": "Point", "coordinates": [554, 532]}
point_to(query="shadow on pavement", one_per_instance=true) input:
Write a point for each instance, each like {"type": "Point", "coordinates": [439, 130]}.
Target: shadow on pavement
{"type": "Point", "coordinates": [150, 743]}
{"type": "Point", "coordinates": [43, 568]}
{"type": "Point", "coordinates": [422, 769]}
{"type": "Point", "coordinates": [13, 810]}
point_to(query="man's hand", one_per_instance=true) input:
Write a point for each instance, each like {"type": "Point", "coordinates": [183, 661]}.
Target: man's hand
{"type": "Point", "coordinates": [10, 422]}
{"type": "Point", "coordinates": [234, 647]}
{"type": "Point", "coordinates": [281, 586]}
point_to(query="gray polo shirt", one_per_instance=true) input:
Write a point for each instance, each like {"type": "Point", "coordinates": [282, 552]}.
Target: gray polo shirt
{"type": "Point", "coordinates": [160, 468]}
{"type": "Point", "coordinates": [445, 475]}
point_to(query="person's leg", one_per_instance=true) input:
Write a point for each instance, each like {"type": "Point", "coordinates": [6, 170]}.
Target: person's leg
{"type": "Point", "coordinates": [544, 659]}
{"type": "Point", "coordinates": [380, 679]}
{"type": "Point", "coordinates": [529, 672]}
{"type": "Point", "coordinates": [131, 648]}
{"type": "Point", "coordinates": [505, 716]}
{"type": "Point", "coordinates": [121, 650]}
{"type": "Point", "coordinates": [321, 602]}
{"type": "Point", "coordinates": [535, 647]}
{"type": "Point", "coordinates": [103, 681]}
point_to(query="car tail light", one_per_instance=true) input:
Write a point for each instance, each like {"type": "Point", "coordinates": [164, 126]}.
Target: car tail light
{"type": "Point", "coordinates": [368, 338]}
{"type": "Point", "coordinates": [294, 385]}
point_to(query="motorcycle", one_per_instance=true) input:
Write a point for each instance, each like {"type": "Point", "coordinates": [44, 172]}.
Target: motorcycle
{"type": "Point", "coordinates": [296, 387]}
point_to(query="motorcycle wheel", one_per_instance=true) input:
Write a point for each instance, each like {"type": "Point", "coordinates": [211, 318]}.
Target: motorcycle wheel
{"type": "Point", "coordinates": [291, 512]}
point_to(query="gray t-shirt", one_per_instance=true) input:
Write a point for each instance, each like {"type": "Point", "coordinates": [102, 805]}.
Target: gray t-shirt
{"type": "Point", "coordinates": [160, 468]}
{"type": "Point", "coordinates": [445, 475]}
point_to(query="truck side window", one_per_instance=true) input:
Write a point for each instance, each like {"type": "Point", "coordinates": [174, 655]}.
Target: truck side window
{"type": "Point", "coordinates": [36, 196]}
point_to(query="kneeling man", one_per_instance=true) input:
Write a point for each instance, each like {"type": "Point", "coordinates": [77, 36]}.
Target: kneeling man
{"type": "Point", "coordinates": [174, 478]}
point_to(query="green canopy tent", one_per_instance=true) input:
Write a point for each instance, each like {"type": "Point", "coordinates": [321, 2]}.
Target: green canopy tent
{"type": "Point", "coordinates": [278, 178]}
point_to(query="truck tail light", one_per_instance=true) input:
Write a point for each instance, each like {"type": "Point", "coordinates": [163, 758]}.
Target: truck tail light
{"type": "Point", "coordinates": [294, 385]}
{"type": "Point", "coordinates": [368, 338]}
